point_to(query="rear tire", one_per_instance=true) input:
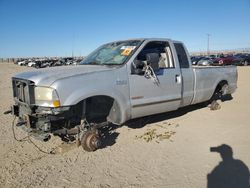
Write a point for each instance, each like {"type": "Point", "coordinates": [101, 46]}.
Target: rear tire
{"type": "Point", "coordinates": [220, 92]}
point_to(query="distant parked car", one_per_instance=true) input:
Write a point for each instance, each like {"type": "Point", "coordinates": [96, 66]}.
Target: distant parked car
{"type": "Point", "coordinates": [69, 62]}
{"type": "Point", "coordinates": [22, 63]}
{"type": "Point", "coordinates": [242, 59]}
{"type": "Point", "coordinates": [42, 63]}
{"type": "Point", "coordinates": [31, 64]}
{"type": "Point", "coordinates": [59, 63]}
{"type": "Point", "coordinates": [212, 56]}
{"type": "Point", "coordinates": [205, 62]}
{"type": "Point", "coordinates": [195, 60]}
{"type": "Point", "coordinates": [224, 60]}
{"type": "Point", "coordinates": [48, 62]}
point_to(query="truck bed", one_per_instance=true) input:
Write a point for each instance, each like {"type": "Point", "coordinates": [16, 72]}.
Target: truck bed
{"type": "Point", "coordinates": [208, 77]}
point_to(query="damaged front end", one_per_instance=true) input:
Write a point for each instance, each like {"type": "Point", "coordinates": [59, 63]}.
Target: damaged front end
{"type": "Point", "coordinates": [39, 112]}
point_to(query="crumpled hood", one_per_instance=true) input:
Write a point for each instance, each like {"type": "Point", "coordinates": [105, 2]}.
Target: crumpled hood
{"type": "Point", "coordinates": [46, 76]}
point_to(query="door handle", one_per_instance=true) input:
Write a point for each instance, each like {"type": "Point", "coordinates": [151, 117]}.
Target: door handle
{"type": "Point", "coordinates": [178, 78]}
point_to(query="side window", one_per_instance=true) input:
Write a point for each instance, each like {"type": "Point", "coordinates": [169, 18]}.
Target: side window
{"type": "Point", "coordinates": [182, 56]}
{"type": "Point", "coordinates": [164, 51]}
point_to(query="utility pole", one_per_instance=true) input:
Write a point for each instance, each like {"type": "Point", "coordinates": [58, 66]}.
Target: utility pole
{"type": "Point", "coordinates": [208, 35]}
{"type": "Point", "coordinates": [73, 45]}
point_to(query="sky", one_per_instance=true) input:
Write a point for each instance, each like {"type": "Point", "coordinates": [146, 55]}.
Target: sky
{"type": "Point", "coordinates": [37, 28]}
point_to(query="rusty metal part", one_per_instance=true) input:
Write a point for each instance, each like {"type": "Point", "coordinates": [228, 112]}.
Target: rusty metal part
{"type": "Point", "coordinates": [90, 140]}
{"type": "Point", "coordinates": [215, 105]}
{"type": "Point", "coordinates": [27, 120]}
{"type": "Point", "coordinates": [64, 131]}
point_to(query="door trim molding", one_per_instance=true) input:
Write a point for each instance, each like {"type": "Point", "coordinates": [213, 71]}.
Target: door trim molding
{"type": "Point", "coordinates": [157, 102]}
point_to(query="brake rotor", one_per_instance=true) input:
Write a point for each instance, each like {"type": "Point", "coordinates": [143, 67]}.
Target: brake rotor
{"type": "Point", "coordinates": [90, 140]}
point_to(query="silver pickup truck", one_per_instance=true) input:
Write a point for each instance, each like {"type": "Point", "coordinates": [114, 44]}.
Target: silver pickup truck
{"type": "Point", "coordinates": [119, 81]}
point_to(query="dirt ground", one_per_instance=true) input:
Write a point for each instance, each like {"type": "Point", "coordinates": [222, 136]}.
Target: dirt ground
{"type": "Point", "coordinates": [176, 155]}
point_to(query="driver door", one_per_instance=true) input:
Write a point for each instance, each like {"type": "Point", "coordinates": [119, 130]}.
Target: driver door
{"type": "Point", "coordinates": [149, 95]}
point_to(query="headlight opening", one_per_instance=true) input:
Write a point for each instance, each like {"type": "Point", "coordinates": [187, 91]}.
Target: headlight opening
{"type": "Point", "coordinates": [46, 96]}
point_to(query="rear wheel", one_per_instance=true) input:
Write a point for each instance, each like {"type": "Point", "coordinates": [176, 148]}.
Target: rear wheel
{"type": "Point", "coordinates": [220, 91]}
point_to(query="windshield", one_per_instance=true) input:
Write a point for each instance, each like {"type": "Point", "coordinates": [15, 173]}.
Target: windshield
{"type": "Point", "coordinates": [115, 53]}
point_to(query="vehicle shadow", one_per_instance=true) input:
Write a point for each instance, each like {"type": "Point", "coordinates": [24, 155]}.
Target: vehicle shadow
{"type": "Point", "coordinates": [108, 135]}
{"type": "Point", "coordinates": [226, 98]}
{"type": "Point", "coordinates": [230, 172]}
{"type": "Point", "coordinates": [141, 122]}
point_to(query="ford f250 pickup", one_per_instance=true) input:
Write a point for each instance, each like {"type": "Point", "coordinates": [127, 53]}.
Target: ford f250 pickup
{"type": "Point", "coordinates": [119, 81]}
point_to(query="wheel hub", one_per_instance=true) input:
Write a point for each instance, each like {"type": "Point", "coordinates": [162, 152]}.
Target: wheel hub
{"type": "Point", "coordinates": [90, 140]}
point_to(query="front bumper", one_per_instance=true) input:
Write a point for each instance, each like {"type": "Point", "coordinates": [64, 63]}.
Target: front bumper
{"type": "Point", "coordinates": [36, 119]}
{"type": "Point", "coordinates": [39, 120]}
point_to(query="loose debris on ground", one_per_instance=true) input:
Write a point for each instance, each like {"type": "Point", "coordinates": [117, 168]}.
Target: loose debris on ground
{"type": "Point", "coordinates": [158, 133]}
{"type": "Point", "coordinates": [215, 106]}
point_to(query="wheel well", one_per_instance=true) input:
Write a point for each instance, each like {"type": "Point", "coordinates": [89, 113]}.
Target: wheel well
{"type": "Point", "coordinates": [98, 108]}
{"type": "Point", "coordinates": [220, 85]}
{"type": "Point", "coordinates": [216, 95]}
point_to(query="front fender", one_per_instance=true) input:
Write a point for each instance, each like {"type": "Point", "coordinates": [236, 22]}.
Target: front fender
{"type": "Point", "coordinates": [121, 104]}
{"type": "Point", "coordinates": [73, 90]}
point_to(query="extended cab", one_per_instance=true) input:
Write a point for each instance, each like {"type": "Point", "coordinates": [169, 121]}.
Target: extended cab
{"type": "Point", "coordinates": [117, 82]}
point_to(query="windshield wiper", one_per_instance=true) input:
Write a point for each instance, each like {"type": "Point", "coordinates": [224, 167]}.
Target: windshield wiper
{"type": "Point", "coordinates": [103, 64]}
{"type": "Point", "coordinates": [111, 64]}
{"type": "Point", "coordinates": [91, 63]}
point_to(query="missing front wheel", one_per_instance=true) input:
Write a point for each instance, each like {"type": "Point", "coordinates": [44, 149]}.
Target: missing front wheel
{"type": "Point", "coordinates": [91, 140]}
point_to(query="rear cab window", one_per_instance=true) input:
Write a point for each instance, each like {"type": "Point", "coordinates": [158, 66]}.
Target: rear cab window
{"type": "Point", "coordinates": [182, 55]}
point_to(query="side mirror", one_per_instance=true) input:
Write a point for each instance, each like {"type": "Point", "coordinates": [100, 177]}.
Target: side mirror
{"type": "Point", "coordinates": [153, 60]}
